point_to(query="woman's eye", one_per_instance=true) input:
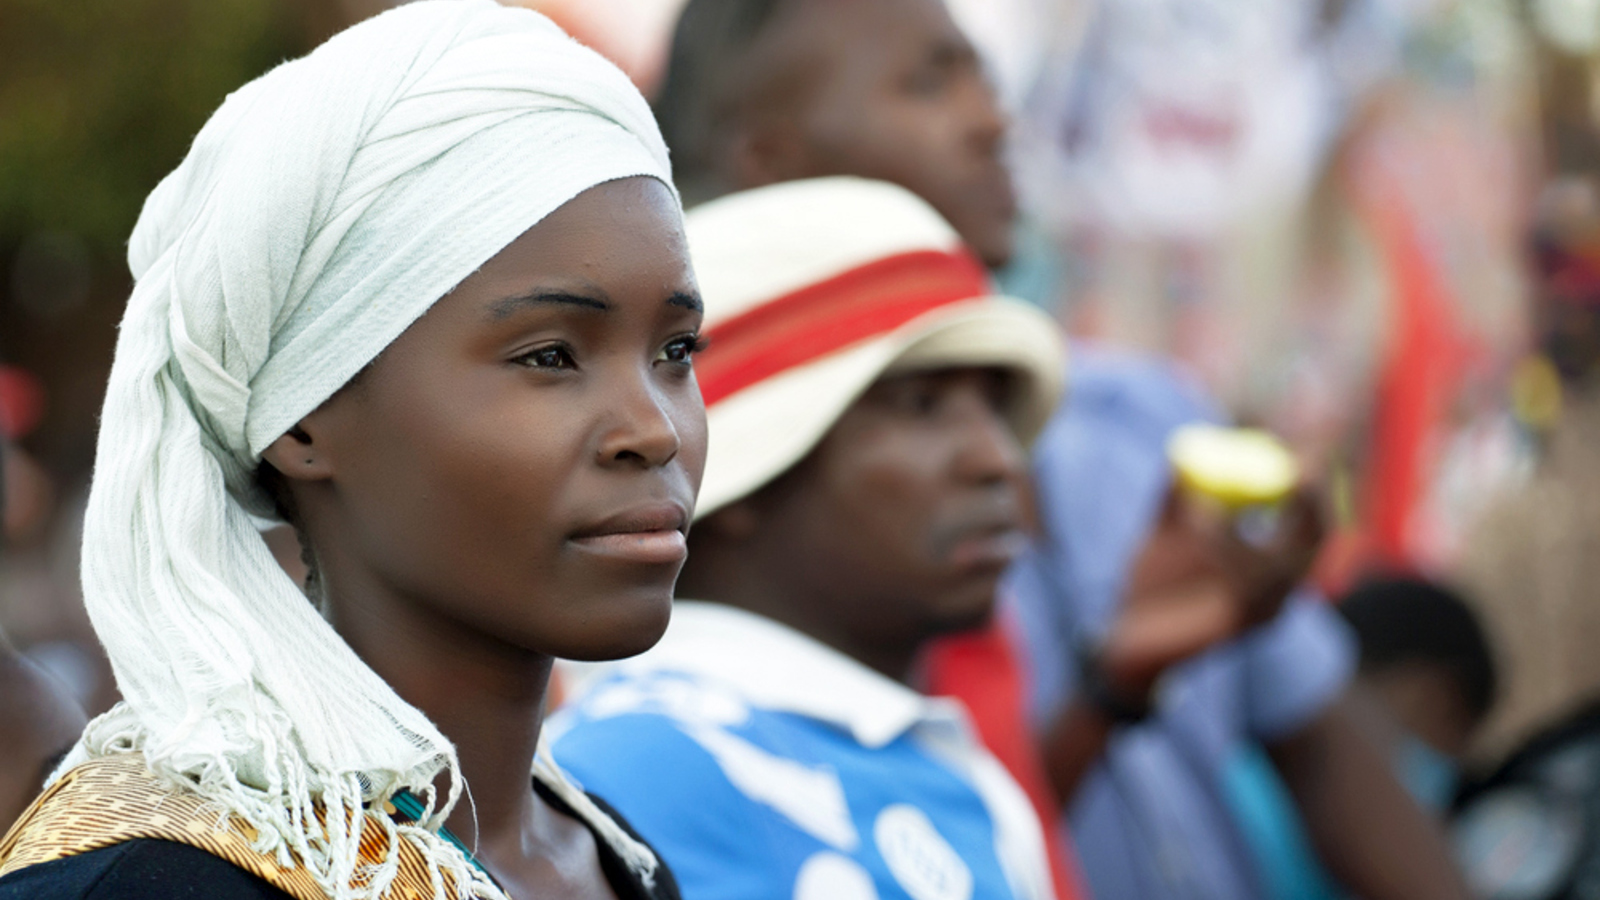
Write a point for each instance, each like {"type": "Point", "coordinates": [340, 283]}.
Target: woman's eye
{"type": "Point", "coordinates": [552, 356]}
{"type": "Point", "coordinates": [681, 349]}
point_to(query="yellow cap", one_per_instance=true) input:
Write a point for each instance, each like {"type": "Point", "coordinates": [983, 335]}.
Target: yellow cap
{"type": "Point", "coordinates": [1237, 467]}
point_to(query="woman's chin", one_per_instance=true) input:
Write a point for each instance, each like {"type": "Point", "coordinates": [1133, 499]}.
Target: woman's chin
{"type": "Point", "coordinates": [628, 629]}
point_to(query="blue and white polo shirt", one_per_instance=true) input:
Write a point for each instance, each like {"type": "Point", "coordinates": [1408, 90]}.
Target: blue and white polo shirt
{"type": "Point", "coordinates": [763, 764]}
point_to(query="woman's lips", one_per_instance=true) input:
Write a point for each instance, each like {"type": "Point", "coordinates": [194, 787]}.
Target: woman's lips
{"type": "Point", "coordinates": [667, 546]}
{"type": "Point", "coordinates": [654, 534]}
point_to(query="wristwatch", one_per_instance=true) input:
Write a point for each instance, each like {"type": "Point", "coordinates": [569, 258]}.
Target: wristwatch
{"type": "Point", "coordinates": [1117, 706]}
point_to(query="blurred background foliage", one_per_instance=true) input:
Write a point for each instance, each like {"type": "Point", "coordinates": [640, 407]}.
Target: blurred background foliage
{"type": "Point", "coordinates": [97, 102]}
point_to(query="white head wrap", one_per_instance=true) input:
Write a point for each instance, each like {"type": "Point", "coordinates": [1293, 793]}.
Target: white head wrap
{"type": "Point", "coordinates": [322, 209]}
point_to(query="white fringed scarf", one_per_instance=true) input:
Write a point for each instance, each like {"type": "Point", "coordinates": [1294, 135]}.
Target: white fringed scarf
{"type": "Point", "coordinates": [322, 209]}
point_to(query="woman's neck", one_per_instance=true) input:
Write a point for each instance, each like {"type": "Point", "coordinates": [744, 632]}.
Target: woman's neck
{"type": "Point", "coordinates": [492, 710]}
{"type": "Point", "coordinates": [485, 695]}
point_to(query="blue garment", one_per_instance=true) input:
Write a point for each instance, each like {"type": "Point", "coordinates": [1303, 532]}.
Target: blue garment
{"type": "Point", "coordinates": [761, 764]}
{"type": "Point", "coordinates": [1152, 820]}
{"type": "Point", "coordinates": [1431, 777]}
{"type": "Point", "coordinates": [1272, 827]}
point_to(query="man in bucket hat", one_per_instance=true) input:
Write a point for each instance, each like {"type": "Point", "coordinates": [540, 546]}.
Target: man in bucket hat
{"type": "Point", "coordinates": [868, 400]}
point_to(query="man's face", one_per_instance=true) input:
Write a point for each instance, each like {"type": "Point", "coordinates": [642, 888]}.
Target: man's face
{"type": "Point", "coordinates": [895, 92]}
{"type": "Point", "coordinates": [899, 524]}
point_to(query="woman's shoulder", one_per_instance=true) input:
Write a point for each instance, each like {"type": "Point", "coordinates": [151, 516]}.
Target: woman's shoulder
{"type": "Point", "coordinates": [144, 869]}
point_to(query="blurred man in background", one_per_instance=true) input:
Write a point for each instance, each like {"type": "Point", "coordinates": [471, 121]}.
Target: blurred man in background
{"type": "Point", "coordinates": [761, 91]}
{"type": "Point", "coordinates": [1533, 560]}
{"type": "Point", "coordinates": [1531, 827]}
{"type": "Point", "coordinates": [758, 91]}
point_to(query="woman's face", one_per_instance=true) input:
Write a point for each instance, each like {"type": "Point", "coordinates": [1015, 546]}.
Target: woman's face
{"type": "Point", "coordinates": [523, 461]}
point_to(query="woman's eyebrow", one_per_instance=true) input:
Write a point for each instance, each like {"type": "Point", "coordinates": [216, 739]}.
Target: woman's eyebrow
{"type": "Point", "coordinates": [500, 309]}
{"type": "Point", "coordinates": [687, 301]}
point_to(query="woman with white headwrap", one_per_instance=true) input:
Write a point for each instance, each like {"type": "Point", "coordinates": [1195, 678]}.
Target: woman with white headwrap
{"type": "Point", "coordinates": [424, 294]}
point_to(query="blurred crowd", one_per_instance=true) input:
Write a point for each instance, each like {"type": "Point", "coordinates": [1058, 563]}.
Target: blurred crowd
{"type": "Point", "coordinates": [1369, 227]}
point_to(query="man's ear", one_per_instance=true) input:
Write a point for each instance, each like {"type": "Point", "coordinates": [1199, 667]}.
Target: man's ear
{"type": "Point", "coordinates": [767, 150]}
{"type": "Point", "coordinates": [298, 456]}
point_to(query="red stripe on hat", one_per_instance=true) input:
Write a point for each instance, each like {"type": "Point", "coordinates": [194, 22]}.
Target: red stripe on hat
{"type": "Point", "coordinates": [818, 319]}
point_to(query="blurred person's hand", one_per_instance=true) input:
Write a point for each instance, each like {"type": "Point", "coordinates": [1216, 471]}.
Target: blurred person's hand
{"type": "Point", "coordinates": [1203, 577]}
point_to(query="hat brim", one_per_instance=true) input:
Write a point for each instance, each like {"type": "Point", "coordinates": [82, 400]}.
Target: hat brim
{"type": "Point", "coordinates": [760, 432]}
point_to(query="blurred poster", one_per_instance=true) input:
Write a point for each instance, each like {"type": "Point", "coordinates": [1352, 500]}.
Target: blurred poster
{"type": "Point", "coordinates": [1314, 205]}
{"type": "Point", "coordinates": [1175, 116]}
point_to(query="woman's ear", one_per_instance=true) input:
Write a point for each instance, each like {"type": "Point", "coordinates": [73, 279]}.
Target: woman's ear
{"type": "Point", "coordinates": [298, 456]}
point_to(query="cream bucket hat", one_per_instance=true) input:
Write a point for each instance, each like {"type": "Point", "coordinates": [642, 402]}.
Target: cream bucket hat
{"type": "Point", "coordinates": [813, 291]}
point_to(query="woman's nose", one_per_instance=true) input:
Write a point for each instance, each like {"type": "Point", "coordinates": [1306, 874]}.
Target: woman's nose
{"type": "Point", "coordinates": [641, 428]}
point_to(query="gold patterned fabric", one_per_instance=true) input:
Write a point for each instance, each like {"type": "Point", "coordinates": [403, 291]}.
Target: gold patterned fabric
{"type": "Point", "coordinates": [115, 799]}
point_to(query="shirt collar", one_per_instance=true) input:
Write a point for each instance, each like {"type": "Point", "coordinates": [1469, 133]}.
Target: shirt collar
{"type": "Point", "coordinates": [776, 667]}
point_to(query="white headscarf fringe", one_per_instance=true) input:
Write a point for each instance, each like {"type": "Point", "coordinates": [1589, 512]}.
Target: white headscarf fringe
{"type": "Point", "coordinates": [633, 853]}
{"type": "Point", "coordinates": [322, 209]}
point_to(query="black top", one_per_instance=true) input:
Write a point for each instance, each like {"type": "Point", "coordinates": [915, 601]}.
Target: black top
{"type": "Point", "coordinates": [138, 870]}
{"type": "Point", "coordinates": [163, 870]}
